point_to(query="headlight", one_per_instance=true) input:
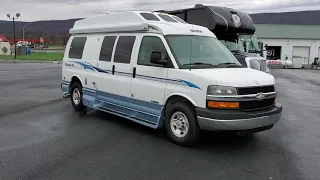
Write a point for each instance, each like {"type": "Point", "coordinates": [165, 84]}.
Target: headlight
{"type": "Point", "coordinates": [221, 90]}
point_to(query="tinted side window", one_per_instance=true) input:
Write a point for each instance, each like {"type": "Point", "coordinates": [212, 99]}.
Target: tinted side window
{"type": "Point", "coordinates": [149, 16]}
{"type": "Point", "coordinates": [124, 49]}
{"type": "Point", "coordinates": [148, 45]}
{"type": "Point", "coordinates": [179, 19]}
{"type": "Point", "coordinates": [107, 48]}
{"type": "Point", "coordinates": [167, 18]}
{"type": "Point", "coordinates": [76, 47]}
{"type": "Point", "coordinates": [198, 17]}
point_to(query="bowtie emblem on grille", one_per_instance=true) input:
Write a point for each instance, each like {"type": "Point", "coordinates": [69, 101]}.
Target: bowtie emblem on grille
{"type": "Point", "coordinates": [260, 96]}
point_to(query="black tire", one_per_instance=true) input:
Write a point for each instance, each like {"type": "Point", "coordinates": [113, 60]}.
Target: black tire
{"type": "Point", "coordinates": [77, 106]}
{"type": "Point", "coordinates": [193, 134]}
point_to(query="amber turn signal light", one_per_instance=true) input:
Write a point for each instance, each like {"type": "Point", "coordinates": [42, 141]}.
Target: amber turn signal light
{"type": "Point", "coordinates": [223, 105]}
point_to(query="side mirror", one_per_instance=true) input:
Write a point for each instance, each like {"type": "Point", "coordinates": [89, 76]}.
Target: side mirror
{"type": "Point", "coordinates": [266, 46]}
{"type": "Point", "coordinates": [156, 58]}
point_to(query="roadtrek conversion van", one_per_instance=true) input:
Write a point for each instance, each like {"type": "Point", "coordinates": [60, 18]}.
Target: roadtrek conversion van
{"type": "Point", "coordinates": [157, 70]}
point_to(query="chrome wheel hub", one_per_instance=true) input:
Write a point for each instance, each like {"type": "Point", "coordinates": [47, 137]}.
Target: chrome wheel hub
{"type": "Point", "coordinates": [76, 96]}
{"type": "Point", "coordinates": [179, 124]}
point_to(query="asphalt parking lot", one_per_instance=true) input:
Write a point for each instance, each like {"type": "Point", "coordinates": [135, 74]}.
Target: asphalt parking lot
{"type": "Point", "coordinates": [41, 137]}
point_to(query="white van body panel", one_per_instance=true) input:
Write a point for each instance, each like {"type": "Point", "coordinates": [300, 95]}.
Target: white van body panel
{"type": "Point", "coordinates": [240, 77]}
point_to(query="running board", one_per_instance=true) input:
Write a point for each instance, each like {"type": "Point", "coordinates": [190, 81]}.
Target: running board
{"type": "Point", "coordinates": [66, 95]}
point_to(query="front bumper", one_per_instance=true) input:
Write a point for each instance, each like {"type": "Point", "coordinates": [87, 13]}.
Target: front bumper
{"type": "Point", "coordinates": [209, 119]}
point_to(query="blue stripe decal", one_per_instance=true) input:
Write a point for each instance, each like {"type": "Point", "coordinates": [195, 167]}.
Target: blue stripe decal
{"type": "Point", "coordinates": [190, 84]}
{"type": "Point", "coordinates": [96, 69]}
{"type": "Point", "coordinates": [90, 67]}
{"type": "Point", "coordinates": [171, 80]}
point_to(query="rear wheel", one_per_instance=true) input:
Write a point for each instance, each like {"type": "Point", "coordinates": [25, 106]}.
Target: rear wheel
{"type": "Point", "coordinates": [181, 124]}
{"type": "Point", "coordinates": [76, 97]}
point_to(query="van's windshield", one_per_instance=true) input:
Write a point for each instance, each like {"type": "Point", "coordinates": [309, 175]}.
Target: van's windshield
{"type": "Point", "coordinates": [200, 52]}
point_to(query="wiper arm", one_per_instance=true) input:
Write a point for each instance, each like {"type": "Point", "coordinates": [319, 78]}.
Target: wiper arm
{"type": "Point", "coordinates": [235, 51]}
{"type": "Point", "coordinates": [229, 64]}
{"type": "Point", "coordinates": [199, 63]}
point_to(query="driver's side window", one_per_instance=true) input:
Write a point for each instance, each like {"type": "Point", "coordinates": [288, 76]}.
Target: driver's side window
{"type": "Point", "coordinates": [148, 45]}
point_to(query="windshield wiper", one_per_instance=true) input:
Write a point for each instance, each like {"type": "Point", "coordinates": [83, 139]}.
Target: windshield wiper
{"type": "Point", "coordinates": [236, 51]}
{"type": "Point", "coordinates": [230, 64]}
{"type": "Point", "coordinates": [254, 51]}
{"type": "Point", "coordinates": [200, 63]}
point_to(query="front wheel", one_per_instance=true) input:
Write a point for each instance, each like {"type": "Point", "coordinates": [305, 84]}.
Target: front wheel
{"type": "Point", "coordinates": [76, 97]}
{"type": "Point", "coordinates": [181, 124]}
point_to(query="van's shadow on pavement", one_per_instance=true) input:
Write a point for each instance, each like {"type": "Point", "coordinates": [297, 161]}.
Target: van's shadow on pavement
{"type": "Point", "coordinates": [219, 147]}
{"type": "Point", "coordinates": [208, 141]}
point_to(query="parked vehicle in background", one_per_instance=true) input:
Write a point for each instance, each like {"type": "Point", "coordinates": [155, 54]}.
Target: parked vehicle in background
{"type": "Point", "coordinates": [159, 71]}
{"type": "Point", "coordinates": [234, 29]}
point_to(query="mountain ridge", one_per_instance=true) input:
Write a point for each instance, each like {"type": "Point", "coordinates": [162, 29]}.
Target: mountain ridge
{"type": "Point", "coordinates": [58, 30]}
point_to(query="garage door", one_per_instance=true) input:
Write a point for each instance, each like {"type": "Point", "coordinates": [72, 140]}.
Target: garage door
{"type": "Point", "coordinates": [302, 52]}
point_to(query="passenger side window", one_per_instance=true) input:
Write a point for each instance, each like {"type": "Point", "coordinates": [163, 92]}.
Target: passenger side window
{"type": "Point", "coordinates": [107, 48]}
{"type": "Point", "coordinates": [148, 45]}
{"type": "Point", "coordinates": [76, 47]}
{"type": "Point", "coordinates": [124, 49]}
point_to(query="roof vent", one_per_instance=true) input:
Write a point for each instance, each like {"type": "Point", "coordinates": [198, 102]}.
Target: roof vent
{"type": "Point", "coordinates": [198, 5]}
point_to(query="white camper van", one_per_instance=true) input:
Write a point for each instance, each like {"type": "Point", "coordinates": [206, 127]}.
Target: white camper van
{"type": "Point", "coordinates": [159, 71]}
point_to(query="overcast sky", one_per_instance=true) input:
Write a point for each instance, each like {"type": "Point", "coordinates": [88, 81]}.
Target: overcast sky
{"type": "Point", "coordinates": [32, 10]}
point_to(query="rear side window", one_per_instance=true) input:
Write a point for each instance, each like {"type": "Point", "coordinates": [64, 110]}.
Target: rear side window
{"type": "Point", "coordinates": [76, 47]}
{"type": "Point", "coordinates": [167, 18]}
{"type": "Point", "coordinates": [149, 17]}
{"type": "Point", "coordinates": [124, 49]}
{"type": "Point", "coordinates": [107, 48]}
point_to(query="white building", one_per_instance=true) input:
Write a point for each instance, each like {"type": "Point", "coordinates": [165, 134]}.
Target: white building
{"type": "Point", "coordinates": [5, 48]}
{"type": "Point", "coordinates": [290, 41]}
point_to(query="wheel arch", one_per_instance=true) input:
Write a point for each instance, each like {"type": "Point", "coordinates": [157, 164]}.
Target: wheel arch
{"type": "Point", "coordinates": [175, 97]}
{"type": "Point", "coordinates": [75, 78]}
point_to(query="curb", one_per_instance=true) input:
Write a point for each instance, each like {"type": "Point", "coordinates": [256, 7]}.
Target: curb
{"type": "Point", "coordinates": [30, 61]}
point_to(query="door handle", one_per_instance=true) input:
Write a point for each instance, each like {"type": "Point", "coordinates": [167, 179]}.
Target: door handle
{"type": "Point", "coordinates": [113, 68]}
{"type": "Point", "coordinates": [134, 72]}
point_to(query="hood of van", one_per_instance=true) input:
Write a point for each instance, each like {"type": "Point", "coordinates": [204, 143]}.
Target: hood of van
{"type": "Point", "coordinates": [235, 77]}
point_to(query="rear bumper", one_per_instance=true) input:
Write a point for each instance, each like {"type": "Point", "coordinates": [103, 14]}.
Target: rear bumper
{"type": "Point", "coordinates": [209, 119]}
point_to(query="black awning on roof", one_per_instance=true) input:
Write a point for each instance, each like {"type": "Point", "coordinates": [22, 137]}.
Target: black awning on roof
{"type": "Point", "coordinates": [219, 20]}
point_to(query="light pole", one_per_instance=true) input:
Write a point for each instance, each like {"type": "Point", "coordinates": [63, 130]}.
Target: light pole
{"type": "Point", "coordinates": [14, 32]}
{"type": "Point", "coordinates": [23, 29]}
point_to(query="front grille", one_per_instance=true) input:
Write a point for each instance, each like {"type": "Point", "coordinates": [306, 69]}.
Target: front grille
{"type": "Point", "coordinates": [255, 90]}
{"type": "Point", "coordinates": [255, 105]}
